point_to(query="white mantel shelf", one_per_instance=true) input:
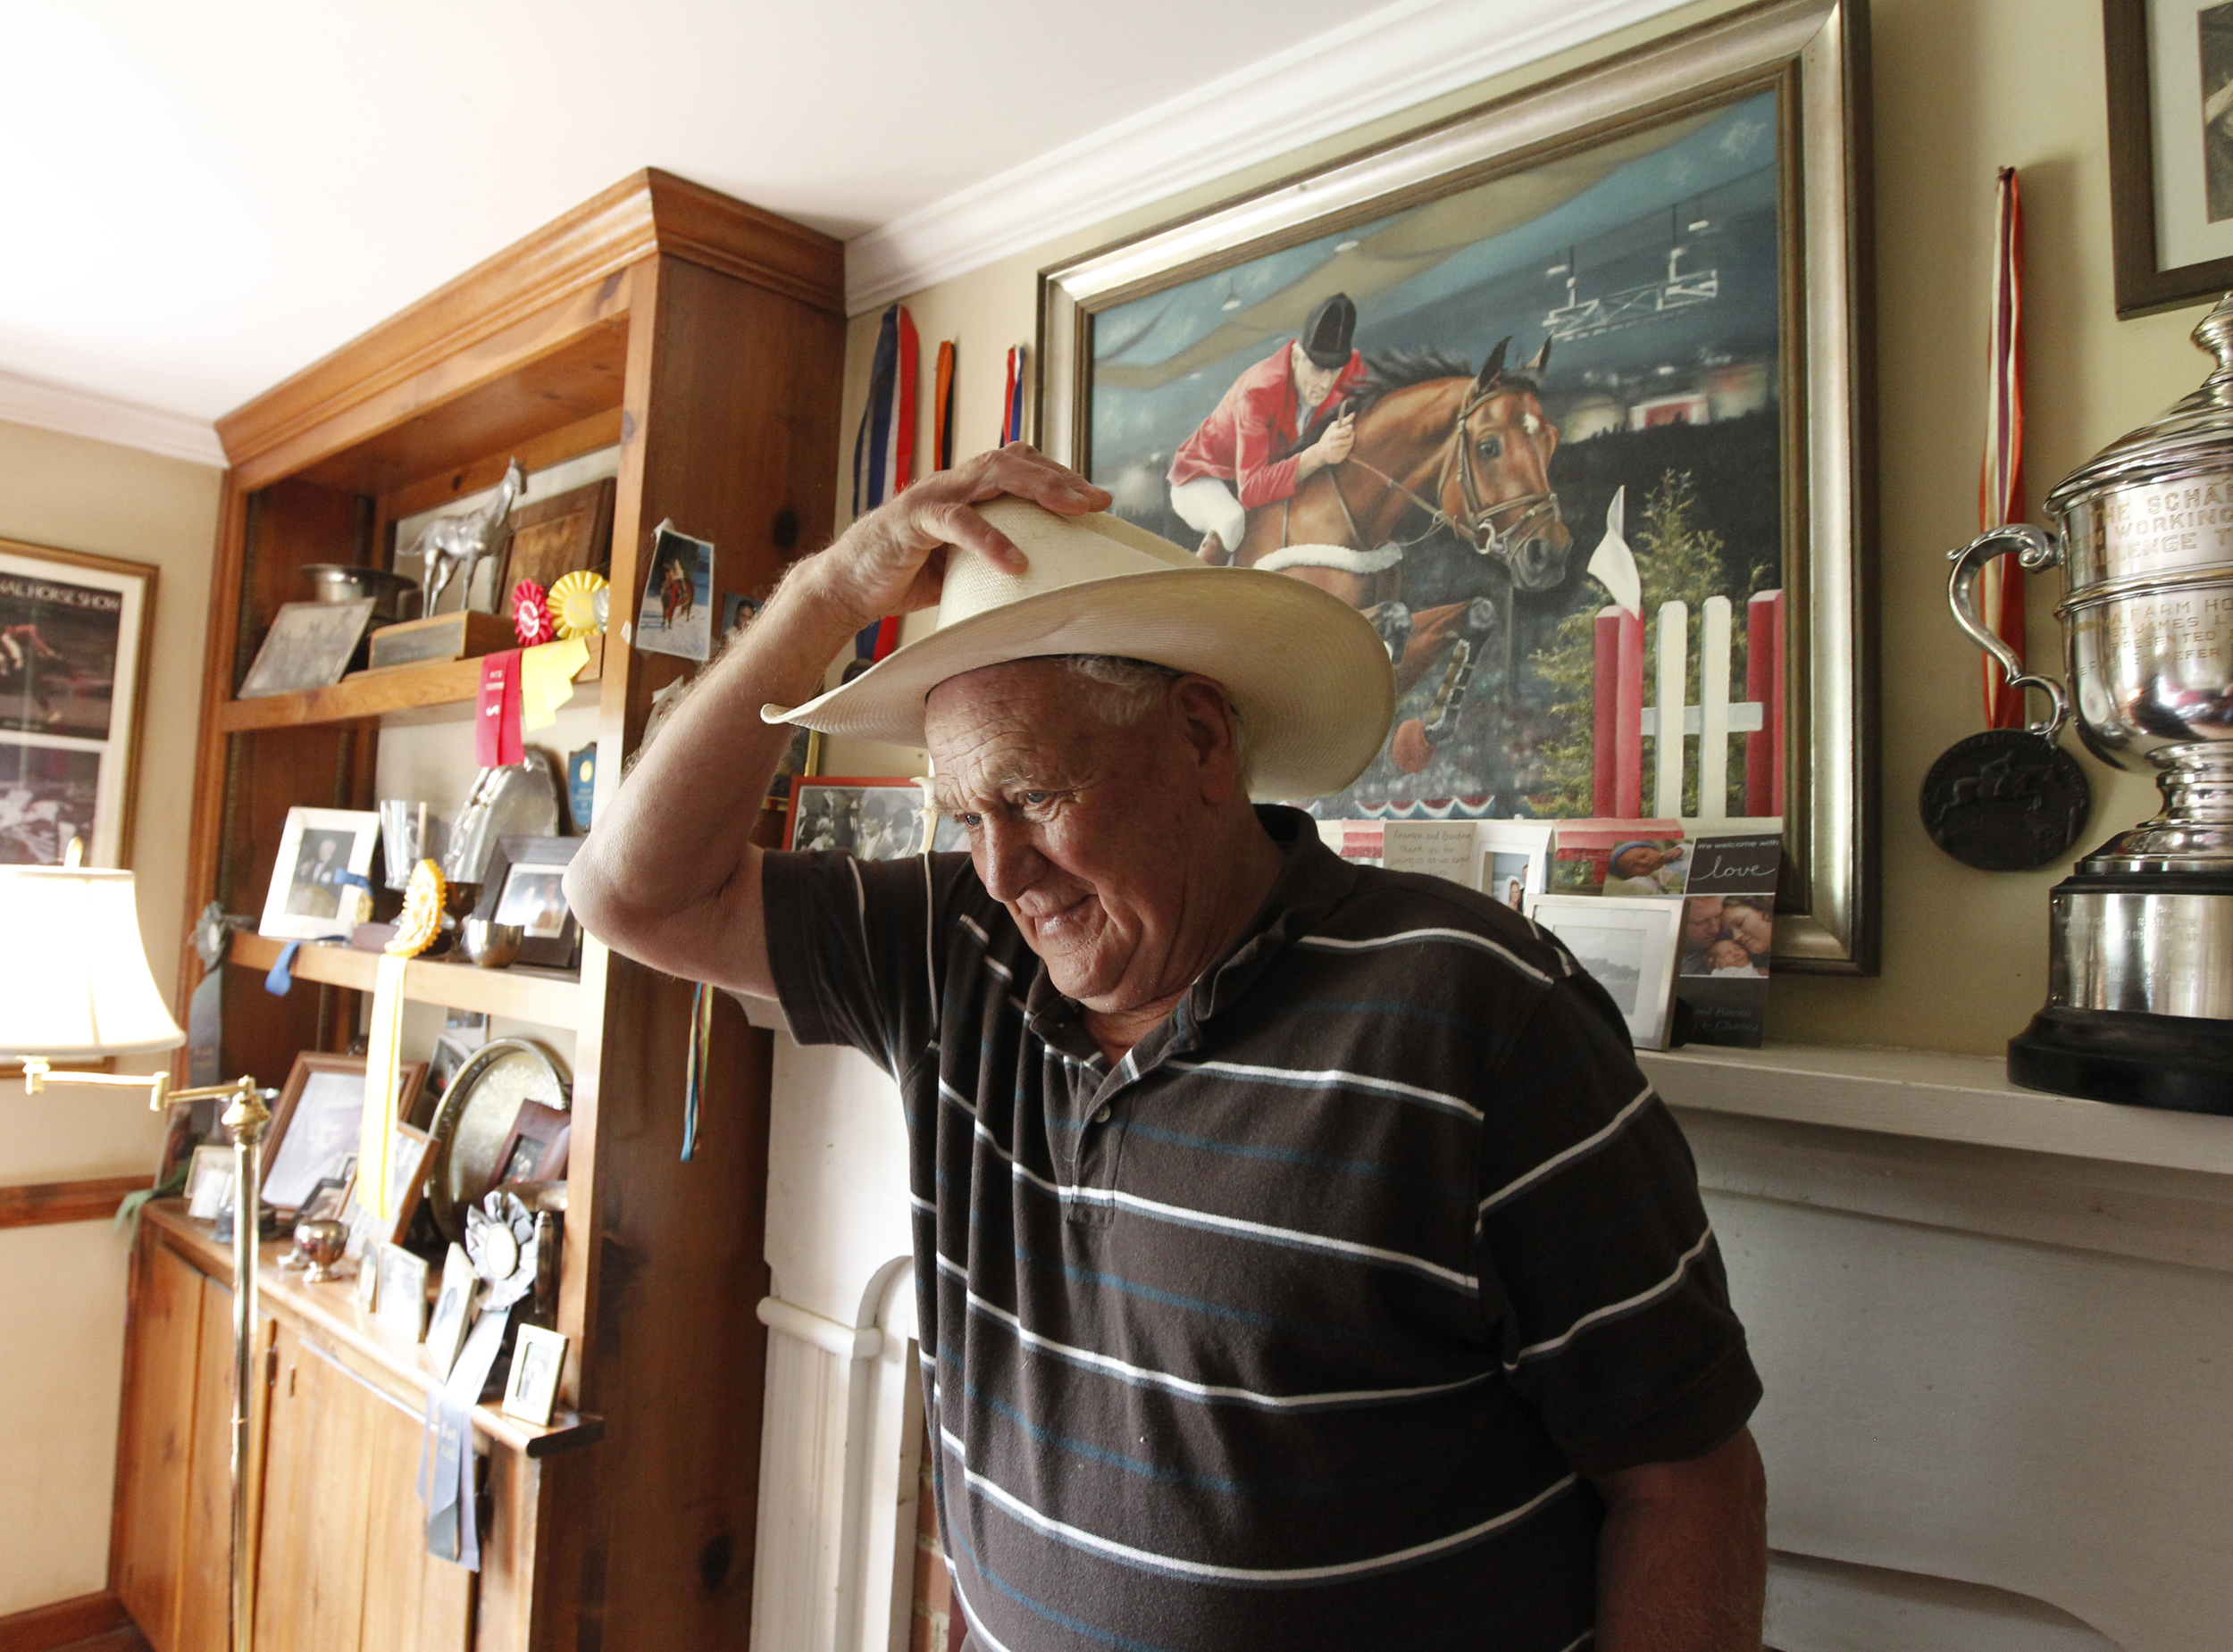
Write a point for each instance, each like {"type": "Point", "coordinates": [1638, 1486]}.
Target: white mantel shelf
{"type": "Point", "coordinates": [1937, 1098]}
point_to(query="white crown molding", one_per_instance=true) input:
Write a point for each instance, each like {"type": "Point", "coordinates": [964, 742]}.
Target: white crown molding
{"type": "Point", "coordinates": [71, 412]}
{"type": "Point", "coordinates": [1381, 65]}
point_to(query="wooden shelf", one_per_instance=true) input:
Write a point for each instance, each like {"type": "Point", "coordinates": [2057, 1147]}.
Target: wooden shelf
{"type": "Point", "coordinates": [523, 993]}
{"type": "Point", "coordinates": [371, 695]}
{"type": "Point", "coordinates": [376, 1355]}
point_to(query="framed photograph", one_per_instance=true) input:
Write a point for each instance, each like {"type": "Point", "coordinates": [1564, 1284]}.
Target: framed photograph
{"type": "Point", "coordinates": [537, 1360]}
{"type": "Point", "coordinates": [567, 533]}
{"type": "Point", "coordinates": [330, 1197]}
{"type": "Point", "coordinates": [1545, 389]}
{"type": "Point", "coordinates": [876, 819]}
{"type": "Point", "coordinates": [406, 1183]}
{"type": "Point", "coordinates": [2169, 67]}
{"type": "Point", "coordinates": [525, 884]}
{"type": "Point", "coordinates": [1514, 860]}
{"type": "Point", "coordinates": [368, 1283]}
{"type": "Point", "coordinates": [453, 1313]}
{"type": "Point", "coordinates": [74, 634]}
{"type": "Point", "coordinates": [676, 615]}
{"type": "Point", "coordinates": [1629, 944]}
{"type": "Point", "coordinates": [538, 1146]}
{"type": "Point", "coordinates": [208, 1182]}
{"type": "Point", "coordinates": [310, 646]}
{"type": "Point", "coordinates": [401, 1304]}
{"type": "Point", "coordinates": [310, 898]}
{"type": "Point", "coordinates": [318, 1120]}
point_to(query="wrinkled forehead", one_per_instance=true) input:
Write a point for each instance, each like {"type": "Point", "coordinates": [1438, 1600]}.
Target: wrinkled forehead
{"type": "Point", "coordinates": [1023, 719]}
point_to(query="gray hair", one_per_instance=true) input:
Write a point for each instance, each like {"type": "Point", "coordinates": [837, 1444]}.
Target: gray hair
{"type": "Point", "coordinates": [1122, 691]}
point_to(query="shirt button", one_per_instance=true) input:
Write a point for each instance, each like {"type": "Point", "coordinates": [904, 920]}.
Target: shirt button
{"type": "Point", "coordinates": [1101, 1117]}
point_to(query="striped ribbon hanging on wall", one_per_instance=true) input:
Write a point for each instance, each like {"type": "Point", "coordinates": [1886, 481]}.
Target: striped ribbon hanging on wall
{"type": "Point", "coordinates": [2000, 484]}
{"type": "Point", "coordinates": [1012, 398]}
{"type": "Point", "coordinates": [884, 450]}
{"type": "Point", "coordinates": [943, 409]}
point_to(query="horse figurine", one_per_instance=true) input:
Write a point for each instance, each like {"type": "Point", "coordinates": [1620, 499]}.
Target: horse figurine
{"type": "Point", "coordinates": [1454, 450]}
{"type": "Point", "coordinates": [465, 540]}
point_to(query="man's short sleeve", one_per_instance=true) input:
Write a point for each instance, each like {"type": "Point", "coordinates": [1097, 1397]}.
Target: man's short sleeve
{"type": "Point", "coordinates": [849, 944]}
{"type": "Point", "coordinates": [1599, 1269]}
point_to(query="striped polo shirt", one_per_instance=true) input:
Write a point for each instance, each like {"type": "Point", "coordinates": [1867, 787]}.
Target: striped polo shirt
{"type": "Point", "coordinates": [1305, 1323]}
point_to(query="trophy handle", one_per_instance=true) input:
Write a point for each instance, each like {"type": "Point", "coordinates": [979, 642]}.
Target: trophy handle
{"type": "Point", "coordinates": [2035, 551]}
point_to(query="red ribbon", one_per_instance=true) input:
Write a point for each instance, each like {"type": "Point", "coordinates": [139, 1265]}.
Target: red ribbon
{"type": "Point", "coordinates": [498, 739]}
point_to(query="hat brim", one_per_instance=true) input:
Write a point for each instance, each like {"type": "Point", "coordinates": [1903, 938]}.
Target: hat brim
{"type": "Point", "coordinates": [1309, 674]}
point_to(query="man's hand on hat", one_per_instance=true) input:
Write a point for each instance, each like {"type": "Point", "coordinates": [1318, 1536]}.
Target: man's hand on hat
{"type": "Point", "coordinates": [893, 560]}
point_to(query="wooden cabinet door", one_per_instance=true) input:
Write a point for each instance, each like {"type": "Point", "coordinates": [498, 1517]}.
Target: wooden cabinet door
{"type": "Point", "coordinates": [160, 1363]}
{"type": "Point", "coordinates": [344, 1567]}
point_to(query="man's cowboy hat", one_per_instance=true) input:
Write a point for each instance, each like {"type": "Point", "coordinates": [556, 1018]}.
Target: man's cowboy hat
{"type": "Point", "coordinates": [1308, 673]}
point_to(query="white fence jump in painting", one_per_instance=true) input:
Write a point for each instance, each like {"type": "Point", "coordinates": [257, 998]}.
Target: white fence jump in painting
{"type": "Point", "coordinates": [1623, 722]}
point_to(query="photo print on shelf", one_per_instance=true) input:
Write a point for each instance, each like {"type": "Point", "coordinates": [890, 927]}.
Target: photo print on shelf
{"type": "Point", "coordinates": [1728, 932]}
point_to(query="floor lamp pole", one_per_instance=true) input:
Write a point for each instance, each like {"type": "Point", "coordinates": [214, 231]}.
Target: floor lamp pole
{"type": "Point", "coordinates": [246, 1118]}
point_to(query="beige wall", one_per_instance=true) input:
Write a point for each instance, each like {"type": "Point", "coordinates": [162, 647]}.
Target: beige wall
{"type": "Point", "coordinates": [61, 1289]}
{"type": "Point", "coordinates": [1962, 86]}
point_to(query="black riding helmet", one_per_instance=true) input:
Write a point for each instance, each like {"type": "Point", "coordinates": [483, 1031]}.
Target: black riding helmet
{"type": "Point", "coordinates": [1325, 336]}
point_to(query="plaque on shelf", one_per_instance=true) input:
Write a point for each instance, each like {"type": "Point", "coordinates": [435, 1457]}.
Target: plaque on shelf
{"type": "Point", "coordinates": [459, 634]}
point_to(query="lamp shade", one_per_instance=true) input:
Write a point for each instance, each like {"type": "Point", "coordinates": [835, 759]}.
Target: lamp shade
{"type": "Point", "coordinates": [73, 973]}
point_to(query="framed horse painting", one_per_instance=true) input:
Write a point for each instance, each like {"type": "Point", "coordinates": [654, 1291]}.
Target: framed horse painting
{"type": "Point", "coordinates": [1568, 394]}
{"type": "Point", "coordinates": [74, 634]}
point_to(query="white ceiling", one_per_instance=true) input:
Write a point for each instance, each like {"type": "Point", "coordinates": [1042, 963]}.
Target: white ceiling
{"type": "Point", "coordinates": [207, 198]}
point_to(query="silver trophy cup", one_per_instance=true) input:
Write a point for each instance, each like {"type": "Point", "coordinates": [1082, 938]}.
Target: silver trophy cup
{"type": "Point", "coordinates": [2140, 973]}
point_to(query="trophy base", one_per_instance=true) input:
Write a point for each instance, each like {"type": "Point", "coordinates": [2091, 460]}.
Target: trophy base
{"type": "Point", "coordinates": [2182, 1062]}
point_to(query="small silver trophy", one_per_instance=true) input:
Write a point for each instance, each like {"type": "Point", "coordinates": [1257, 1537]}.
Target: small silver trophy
{"type": "Point", "coordinates": [2140, 971]}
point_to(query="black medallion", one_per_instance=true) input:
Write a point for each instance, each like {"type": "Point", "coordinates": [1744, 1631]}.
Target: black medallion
{"type": "Point", "coordinates": [2006, 800]}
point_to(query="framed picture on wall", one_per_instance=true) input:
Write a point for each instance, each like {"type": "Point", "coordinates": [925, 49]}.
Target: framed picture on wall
{"type": "Point", "coordinates": [875, 818]}
{"type": "Point", "coordinates": [74, 634]}
{"type": "Point", "coordinates": [1542, 389]}
{"type": "Point", "coordinates": [2169, 67]}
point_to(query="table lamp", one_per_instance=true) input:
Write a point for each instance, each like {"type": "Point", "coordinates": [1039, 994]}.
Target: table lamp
{"type": "Point", "coordinates": [74, 985]}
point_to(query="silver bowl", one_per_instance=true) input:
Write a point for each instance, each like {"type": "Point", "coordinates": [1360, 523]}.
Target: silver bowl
{"type": "Point", "coordinates": [490, 943]}
{"type": "Point", "coordinates": [391, 593]}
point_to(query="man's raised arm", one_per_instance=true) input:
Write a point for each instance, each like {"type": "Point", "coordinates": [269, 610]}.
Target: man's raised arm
{"type": "Point", "coordinates": [669, 876]}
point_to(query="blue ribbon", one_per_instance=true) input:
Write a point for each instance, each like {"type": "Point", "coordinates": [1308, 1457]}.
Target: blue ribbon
{"type": "Point", "coordinates": [281, 977]}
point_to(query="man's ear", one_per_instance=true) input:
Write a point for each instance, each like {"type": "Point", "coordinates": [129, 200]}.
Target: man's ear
{"type": "Point", "coordinates": [1205, 720]}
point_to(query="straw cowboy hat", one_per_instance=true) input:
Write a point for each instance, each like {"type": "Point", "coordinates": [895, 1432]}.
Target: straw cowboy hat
{"type": "Point", "coordinates": [1308, 673]}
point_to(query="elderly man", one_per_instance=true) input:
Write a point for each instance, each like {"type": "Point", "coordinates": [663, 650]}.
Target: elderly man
{"type": "Point", "coordinates": [1303, 1262]}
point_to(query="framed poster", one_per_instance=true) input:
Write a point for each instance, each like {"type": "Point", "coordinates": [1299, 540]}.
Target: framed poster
{"type": "Point", "coordinates": [74, 633]}
{"type": "Point", "coordinates": [2169, 67]}
{"type": "Point", "coordinates": [1551, 390]}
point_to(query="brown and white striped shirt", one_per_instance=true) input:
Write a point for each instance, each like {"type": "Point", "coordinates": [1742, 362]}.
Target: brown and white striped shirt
{"type": "Point", "coordinates": [1305, 1323]}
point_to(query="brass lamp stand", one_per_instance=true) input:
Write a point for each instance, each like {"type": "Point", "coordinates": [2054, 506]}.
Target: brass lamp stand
{"type": "Point", "coordinates": [85, 991]}
{"type": "Point", "coordinates": [245, 1122]}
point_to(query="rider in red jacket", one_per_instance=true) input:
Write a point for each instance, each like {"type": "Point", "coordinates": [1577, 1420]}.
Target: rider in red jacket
{"type": "Point", "coordinates": [1237, 448]}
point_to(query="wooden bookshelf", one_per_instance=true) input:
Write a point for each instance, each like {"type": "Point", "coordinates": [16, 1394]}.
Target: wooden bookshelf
{"type": "Point", "coordinates": [521, 992]}
{"type": "Point", "coordinates": [369, 696]}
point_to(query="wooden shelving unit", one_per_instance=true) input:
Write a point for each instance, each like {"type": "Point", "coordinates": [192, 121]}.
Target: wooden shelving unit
{"type": "Point", "coordinates": [369, 696]}
{"type": "Point", "coordinates": [521, 991]}
{"type": "Point", "coordinates": [705, 340]}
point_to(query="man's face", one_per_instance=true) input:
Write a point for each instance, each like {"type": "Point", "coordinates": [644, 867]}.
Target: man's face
{"type": "Point", "coordinates": [1312, 381]}
{"type": "Point", "coordinates": [1702, 921]}
{"type": "Point", "coordinates": [1081, 830]}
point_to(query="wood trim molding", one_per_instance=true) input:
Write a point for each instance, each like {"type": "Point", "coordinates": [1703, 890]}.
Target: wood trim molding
{"type": "Point", "coordinates": [40, 1204]}
{"type": "Point", "coordinates": [65, 1623]}
{"type": "Point", "coordinates": [1390, 60]}
{"type": "Point", "coordinates": [69, 411]}
{"type": "Point", "coordinates": [649, 212]}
